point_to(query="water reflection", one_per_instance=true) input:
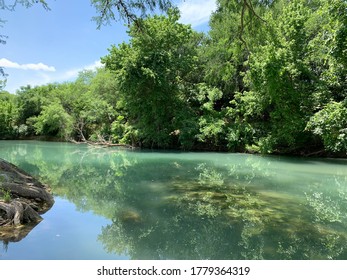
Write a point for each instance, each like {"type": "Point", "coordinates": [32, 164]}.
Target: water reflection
{"type": "Point", "coordinates": [196, 205]}
{"type": "Point", "coordinates": [15, 234]}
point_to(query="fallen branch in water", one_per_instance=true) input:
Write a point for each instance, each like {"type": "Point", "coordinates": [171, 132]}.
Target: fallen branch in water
{"type": "Point", "coordinates": [102, 142]}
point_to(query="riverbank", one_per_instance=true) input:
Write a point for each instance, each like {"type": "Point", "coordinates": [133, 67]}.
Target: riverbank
{"type": "Point", "coordinates": [22, 201]}
{"type": "Point", "coordinates": [309, 152]}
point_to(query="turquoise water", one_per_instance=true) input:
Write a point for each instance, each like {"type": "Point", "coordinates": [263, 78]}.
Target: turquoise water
{"type": "Point", "coordinates": [113, 203]}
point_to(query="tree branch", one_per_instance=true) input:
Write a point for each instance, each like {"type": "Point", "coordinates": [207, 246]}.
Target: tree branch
{"type": "Point", "coordinates": [247, 5]}
{"type": "Point", "coordinates": [251, 9]}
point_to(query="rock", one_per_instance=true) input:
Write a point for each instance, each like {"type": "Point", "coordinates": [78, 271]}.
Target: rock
{"type": "Point", "coordinates": [22, 200]}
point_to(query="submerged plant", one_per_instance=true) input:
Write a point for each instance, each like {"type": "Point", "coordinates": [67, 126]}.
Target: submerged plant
{"type": "Point", "coordinates": [324, 208]}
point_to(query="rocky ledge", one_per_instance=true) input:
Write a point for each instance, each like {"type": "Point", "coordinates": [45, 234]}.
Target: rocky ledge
{"type": "Point", "coordinates": [22, 201]}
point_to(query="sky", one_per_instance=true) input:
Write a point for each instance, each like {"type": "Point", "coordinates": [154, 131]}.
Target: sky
{"type": "Point", "coordinates": [54, 46]}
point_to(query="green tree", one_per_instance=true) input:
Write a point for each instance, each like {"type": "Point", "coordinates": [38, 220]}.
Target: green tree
{"type": "Point", "coordinates": [30, 103]}
{"type": "Point", "coordinates": [88, 105]}
{"type": "Point", "coordinates": [280, 80]}
{"type": "Point", "coordinates": [8, 115]}
{"type": "Point", "coordinates": [237, 27]}
{"type": "Point", "coordinates": [53, 121]}
{"type": "Point", "coordinates": [151, 72]}
{"type": "Point", "coordinates": [330, 99]}
{"type": "Point", "coordinates": [211, 123]}
{"type": "Point", "coordinates": [91, 99]}
{"type": "Point", "coordinates": [330, 124]}
{"type": "Point", "coordinates": [279, 74]}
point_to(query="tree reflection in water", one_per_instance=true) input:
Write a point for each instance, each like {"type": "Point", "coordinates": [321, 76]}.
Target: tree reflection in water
{"type": "Point", "coordinates": [202, 206]}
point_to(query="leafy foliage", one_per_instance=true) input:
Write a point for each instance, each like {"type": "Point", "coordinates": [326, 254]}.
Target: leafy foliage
{"type": "Point", "coordinates": [53, 120]}
{"type": "Point", "coordinates": [269, 77]}
{"type": "Point", "coordinates": [8, 115]}
{"type": "Point", "coordinates": [11, 5]}
{"type": "Point", "coordinates": [330, 124]}
{"type": "Point", "coordinates": [151, 72]}
{"type": "Point", "coordinates": [126, 10]}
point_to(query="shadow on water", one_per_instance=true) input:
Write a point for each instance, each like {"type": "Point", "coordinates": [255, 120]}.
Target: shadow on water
{"type": "Point", "coordinates": [168, 205]}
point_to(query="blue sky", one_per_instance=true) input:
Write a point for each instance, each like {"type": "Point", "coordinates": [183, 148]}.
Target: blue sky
{"type": "Point", "coordinates": [54, 46]}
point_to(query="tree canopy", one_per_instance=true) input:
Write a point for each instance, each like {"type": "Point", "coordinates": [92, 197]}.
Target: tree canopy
{"type": "Point", "coordinates": [269, 77]}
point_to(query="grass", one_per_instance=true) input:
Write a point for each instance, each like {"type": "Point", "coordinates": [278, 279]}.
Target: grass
{"type": "Point", "coordinates": [6, 194]}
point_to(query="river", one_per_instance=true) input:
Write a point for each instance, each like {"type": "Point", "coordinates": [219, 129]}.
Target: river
{"type": "Point", "coordinates": [115, 203]}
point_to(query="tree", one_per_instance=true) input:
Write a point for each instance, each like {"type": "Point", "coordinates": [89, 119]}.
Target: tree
{"type": "Point", "coordinates": [276, 63]}
{"type": "Point", "coordinates": [269, 77]}
{"type": "Point", "coordinates": [26, 3]}
{"type": "Point", "coordinates": [30, 102]}
{"type": "Point", "coordinates": [237, 27]}
{"type": "Point", "coordinates": [8, 115]}
{"type": "Point", "coordinates": [151, 72]}
{"type": "Point", "coordinates": [53, 121]}
{"type": "Point", "coordinates": [92, 112]}
{"type": "Point", "coordinates": [280, 79]}
{"type": "Point", "coordinates": [330, 124]}
{"type": "Point", "coordinates": [130, 11]}
{"type": "Point", "coordinates": [297, 73]}
{"type": "Point", "coordinates": [82, 110]}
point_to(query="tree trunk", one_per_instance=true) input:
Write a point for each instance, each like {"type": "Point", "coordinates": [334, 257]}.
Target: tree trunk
{"type": "Point", "coordinates": [17, 212]}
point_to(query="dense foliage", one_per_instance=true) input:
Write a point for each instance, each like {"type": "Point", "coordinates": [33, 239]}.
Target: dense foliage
{"type": "Point", "coordinates": [270, 77]}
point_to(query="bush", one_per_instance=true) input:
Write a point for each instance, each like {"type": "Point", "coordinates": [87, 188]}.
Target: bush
{"type": "Point", "coordinates": [330, 124]}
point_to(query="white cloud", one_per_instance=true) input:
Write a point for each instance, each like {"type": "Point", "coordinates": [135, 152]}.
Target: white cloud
{"type": "Point", "coordinates": [68, 75]}
{"type": "Point", "coordinates": [16, 78]}
{"type": "Point", "coordinates": [31, 66]}
{"type": "Point", "coordinates": [196, 12]}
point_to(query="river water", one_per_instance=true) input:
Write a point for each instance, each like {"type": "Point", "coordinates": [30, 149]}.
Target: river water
{"type": "Point", "coordinates": [114, 203]}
